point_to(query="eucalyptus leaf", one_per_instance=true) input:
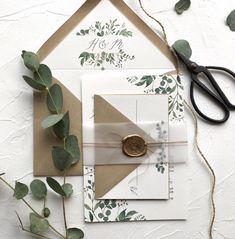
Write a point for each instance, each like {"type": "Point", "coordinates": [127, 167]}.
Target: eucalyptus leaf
{"type": "Point", "coordinates": [68, 189]}
{"type": "Point", "coordinates": [182, 5]}
{"type": "Point", "coordinates": [75, 233]}
{"type": "Point", "coordinates": [61, 129]}
{"type": "Point", "coordinates": [21, 190]}
{"type": "Point", "coordinates": [38, 189]}
{"type": "Point", "coordinates": [38, 224]}
{"type": "Point", "coordinates": [183, 47]}
{"type": "Point", "coordinates": [61, 158]}
{"type": "Point", "coordinates": [51, 120]}
{"type": "Point", "coordinates": [55, 99]}
{"type": "Point", "coordinates": [43, 75]}
{"type": "Point", "coordinates": [55, 186]}
{"type": "Point", "coordinates": [231, 20]}
{"type": "Point", "coordinates": [33, 83]}
{"type": "Point", "coordinates": [71, 145]}
{"type": "Point", "coordinates": [31, 60]}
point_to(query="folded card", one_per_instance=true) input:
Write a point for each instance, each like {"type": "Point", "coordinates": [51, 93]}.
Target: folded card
{"type": "Point", "coordinates": [132, 181]}
{"type": "Point", "coordinates": [132, 210]}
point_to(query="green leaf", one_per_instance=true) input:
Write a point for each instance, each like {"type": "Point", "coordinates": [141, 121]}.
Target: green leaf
{"type": "Point", "coordinates": [51, 120]}
{"type": "Point", "coordinates": [55, 186]}
{"type": "Point", "coordinates": [68, 189]}
{"type": "Point", "coordinates": [38, 224]}
{"type": "Point", "coordinates": [43, 75]}
{"type": "Point", "coordinates": [75, 233]}
{"type": "Point", "coordinates": [178, 79]}
{"type": "Point", "coordinates": [38, 189]}
{"type": "Point", "coordinates": [131, 213]}
{"type": "Point", "coordinates": [31, 60]}
{"type": "Point", "coordinates": [33, 83]}
{"type": "Point", "coordinates": [84, 57]}
{"type": "Point", "coordinates": [91, 216]}
{"type": "Point", "coordinates": [61, 158]}
{"type": "Point", "coordinates": [87, 207]}
{"type": "Point", "coordinates": [142, 82]}
{"type": "Point", "coordinates": [183, 47]}
{"type": "Point", "coordinates": [21, 190]}
{"type": "Point", "coordinates": [61, 129]}
{"type": "Point", "coordinates": [55, 99]}
{"type": "Point", "coordinates": [71, 145]}
{"type": "Point", "coordinates": [122, 215]}
{"type": "Point", "coordinates": [231, 20]}
{"type": "Point", "coordinates": [182, 5]}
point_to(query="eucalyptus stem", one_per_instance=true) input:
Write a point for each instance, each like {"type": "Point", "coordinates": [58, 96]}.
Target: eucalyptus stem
{"type": "Point", "coordinates": [44, 203]}
{"type": "Point", "coordinates": [64, 210]}
{"type": "Point", "coordinates": [64, 215]}
{"type": "Point", "coordinates": [49, 93]}
{"type": "Point", "coordinates": [29, 206]}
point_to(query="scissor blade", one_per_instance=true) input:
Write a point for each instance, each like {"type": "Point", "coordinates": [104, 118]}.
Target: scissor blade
{"type": "Point", "coordinates": [184, 59]}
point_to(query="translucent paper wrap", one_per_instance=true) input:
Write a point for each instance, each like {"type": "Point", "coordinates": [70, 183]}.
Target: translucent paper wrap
{"type": "Point", "coordinates": [103, 143]}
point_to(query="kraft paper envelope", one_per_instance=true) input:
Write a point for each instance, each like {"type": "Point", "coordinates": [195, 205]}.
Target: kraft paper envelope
{"type": "Point", "coordinates": [107, 176]}
{"type": "Point", "coordinates": [60, 51]}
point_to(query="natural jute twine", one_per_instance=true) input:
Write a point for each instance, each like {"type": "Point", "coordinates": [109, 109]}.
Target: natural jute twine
{"type": "Point", "coordinates": [212, 173]}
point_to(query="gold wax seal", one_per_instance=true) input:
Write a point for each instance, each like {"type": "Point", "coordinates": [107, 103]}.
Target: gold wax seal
{"type": "Point", "coordinates": [134, 146]}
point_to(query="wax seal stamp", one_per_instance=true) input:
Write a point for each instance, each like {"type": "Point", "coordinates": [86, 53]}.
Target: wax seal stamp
{"type": "Point", "coordinates": [134, 146]}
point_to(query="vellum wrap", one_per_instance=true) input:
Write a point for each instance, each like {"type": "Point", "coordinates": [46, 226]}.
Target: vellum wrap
{"type": "Point", "coordinates": [102, 143]}
{"type": "Point", "coordinates": [107, 176]}
{"type": "Point", "coordinates": [43, 140]}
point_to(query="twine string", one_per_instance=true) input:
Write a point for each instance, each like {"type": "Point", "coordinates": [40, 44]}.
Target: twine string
{"type": "Point", "coordinates": [165, 39]}
{"type": "Point", "coordinates": [212, 173]}
{"type": "Point", "coordinates": [119, 144]}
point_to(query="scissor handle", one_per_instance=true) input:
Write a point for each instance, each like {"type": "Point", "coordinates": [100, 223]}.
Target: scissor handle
{"type": "Point", "coordinates": [217, 87]}
{"type": "Point", "coordinates": [211, 95]}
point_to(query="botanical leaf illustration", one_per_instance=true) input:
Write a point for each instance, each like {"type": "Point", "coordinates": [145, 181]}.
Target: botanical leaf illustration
{"type": "Point", "coordinates": [163, 84]}
{"type": "Point", "coordinates": [106, 210]}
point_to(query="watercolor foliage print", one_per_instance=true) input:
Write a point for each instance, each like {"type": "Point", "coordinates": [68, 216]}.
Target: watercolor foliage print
{"type": "Point", "coordinates": [106, 47]}
{"type": "Point", "coordinates": [162, 135]}
{"type": "Point", "coordinates": [123, 210]}
{"type": "Point", "coordinates": [105, 210]}
{"type": "Point", "coordinates": [164, 84]}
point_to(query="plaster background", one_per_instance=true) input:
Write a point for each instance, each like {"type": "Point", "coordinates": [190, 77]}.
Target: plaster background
{"type": "Point", "coordinates": [26, 24]}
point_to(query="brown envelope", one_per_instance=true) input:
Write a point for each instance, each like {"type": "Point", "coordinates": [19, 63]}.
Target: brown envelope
{"type": "Point", "coordinates": [44, 140]}
{"type": "Point", "coordinates": [107, 176]}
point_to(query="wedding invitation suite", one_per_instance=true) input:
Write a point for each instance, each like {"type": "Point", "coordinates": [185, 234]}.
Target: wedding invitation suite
{"type": "Point", "coordinates": [116, 107]}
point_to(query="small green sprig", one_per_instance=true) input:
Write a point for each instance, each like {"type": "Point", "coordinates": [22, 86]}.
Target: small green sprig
{"type": "Point", "coordinates": [39, 222]}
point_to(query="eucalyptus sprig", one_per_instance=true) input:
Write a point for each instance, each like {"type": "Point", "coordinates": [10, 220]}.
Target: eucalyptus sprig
{"type": "Point", "coordinates": [64, 156]}
{"type": "Point", "coordinates": [68, 153]}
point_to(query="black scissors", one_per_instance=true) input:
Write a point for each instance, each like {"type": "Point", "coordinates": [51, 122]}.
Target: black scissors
{"type": "Point", "coordinates": [216, 94]}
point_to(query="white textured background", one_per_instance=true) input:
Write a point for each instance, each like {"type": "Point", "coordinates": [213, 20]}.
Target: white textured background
{"type": "Point", "coordinates": [26, 24]}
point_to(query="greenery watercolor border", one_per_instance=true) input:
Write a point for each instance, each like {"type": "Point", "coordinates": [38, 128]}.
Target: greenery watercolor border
{"type": "Point", "coordinates": [118, 210]}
